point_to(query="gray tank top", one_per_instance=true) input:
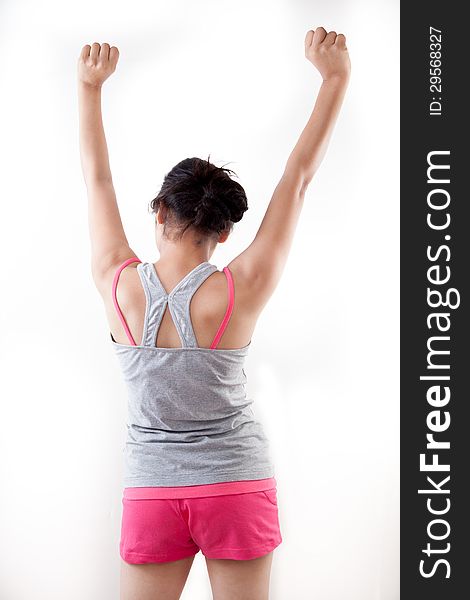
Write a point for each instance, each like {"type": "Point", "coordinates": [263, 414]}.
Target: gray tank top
{"type": "Point", "coordinates": [190, 421]}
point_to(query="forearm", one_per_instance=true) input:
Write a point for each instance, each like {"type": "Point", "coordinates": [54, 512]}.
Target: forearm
{"type": "Point", "coordinates": [93, 148]}
{"type": "Point", "coordinates": [310, 149]}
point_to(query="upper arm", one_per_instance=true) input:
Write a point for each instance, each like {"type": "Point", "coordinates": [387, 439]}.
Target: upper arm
{"type": "Point", "coordinates": [109, 243]}
{"type": "Point", "coordinates": [259, 267]}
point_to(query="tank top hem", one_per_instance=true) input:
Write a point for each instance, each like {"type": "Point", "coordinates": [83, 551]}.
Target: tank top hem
{"type": "Point", "coordinates": [209, 478]}
{"type": "Point", "coordinates": [199, 491]}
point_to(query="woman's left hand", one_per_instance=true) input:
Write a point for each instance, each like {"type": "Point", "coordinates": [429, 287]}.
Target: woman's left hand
{"type": "Point", "coordinates": [96, 63]}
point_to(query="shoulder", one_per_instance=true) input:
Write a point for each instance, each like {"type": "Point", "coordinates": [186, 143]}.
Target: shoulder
{"type": "Point", "coordinates": [118, 274]}
{"type": "Point", "coordinates": [253, 284]}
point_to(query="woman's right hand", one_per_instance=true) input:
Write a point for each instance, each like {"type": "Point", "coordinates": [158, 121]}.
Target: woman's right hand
{"type": "Point", "coordinates": [328, 53]}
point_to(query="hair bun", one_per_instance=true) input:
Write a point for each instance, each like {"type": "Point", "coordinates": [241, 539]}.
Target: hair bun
{"type": "Point", "coordinates": [202, 195]}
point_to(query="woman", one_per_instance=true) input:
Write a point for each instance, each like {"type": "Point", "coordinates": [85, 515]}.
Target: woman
{"type": "Point", "coordinates": [198, 472]}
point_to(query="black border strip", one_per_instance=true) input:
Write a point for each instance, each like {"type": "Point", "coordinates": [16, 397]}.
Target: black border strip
{"type": "Point", "coordinates": [427, 259]}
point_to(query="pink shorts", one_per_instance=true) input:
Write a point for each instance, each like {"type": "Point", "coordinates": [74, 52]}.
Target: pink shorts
{"type": "Point", "coordinates": [238, 526]}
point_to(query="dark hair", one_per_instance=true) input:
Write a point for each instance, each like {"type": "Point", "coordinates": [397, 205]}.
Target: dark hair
{"type": "Point", "coordinates": [200, 195]}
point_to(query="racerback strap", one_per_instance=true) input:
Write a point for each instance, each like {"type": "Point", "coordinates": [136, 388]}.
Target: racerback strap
{"type": "Point", "coordinates": [178, 301]}
{"type": "Point", "coordinates": [114, 293]}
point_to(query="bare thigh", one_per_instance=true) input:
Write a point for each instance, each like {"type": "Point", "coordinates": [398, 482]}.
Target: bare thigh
{"type": "Point", "coordinates": [240, 579]}
{"type": "Point", "coordinates": [154, 581]}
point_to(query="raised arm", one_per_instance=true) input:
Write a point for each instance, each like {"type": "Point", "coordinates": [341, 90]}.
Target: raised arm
{"type": "Point", "coordinates": [109, 244]}
{"type": "Point", "coordinates": [261, 264]}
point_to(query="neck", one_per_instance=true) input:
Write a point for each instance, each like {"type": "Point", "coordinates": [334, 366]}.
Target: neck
{"type": "Point", "coordinates": [184, 254]}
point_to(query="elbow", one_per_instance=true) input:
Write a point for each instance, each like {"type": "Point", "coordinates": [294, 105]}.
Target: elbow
{"type": "Point", "coordinates": [304, 182]}
{"type": "Point", "coordinates": [301, 178]}
{"type": "Point", "coordinates": [307, 175]}
{"type": "Point", "coordinates": [304, 185]}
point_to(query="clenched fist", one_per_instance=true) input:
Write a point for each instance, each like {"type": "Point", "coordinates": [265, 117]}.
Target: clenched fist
{"type": "Point", "coordinates": [328, 53]}
{"type": "Point", "coordinates": [96, 63]}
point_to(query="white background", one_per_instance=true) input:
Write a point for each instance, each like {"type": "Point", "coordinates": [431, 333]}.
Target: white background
{"type": "Point", "coordinates": [229, 79]}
